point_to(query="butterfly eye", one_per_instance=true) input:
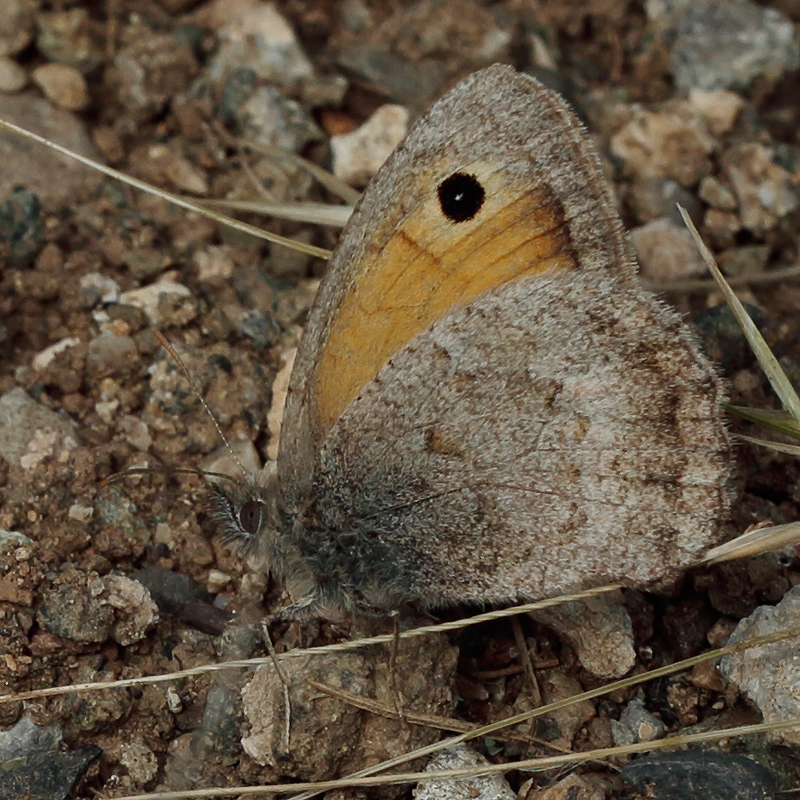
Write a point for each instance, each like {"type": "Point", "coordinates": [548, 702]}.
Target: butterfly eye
{"type": "Point", "coordinates": [461, 197]}
{"type": "Point", "coordinates": [250, 517]}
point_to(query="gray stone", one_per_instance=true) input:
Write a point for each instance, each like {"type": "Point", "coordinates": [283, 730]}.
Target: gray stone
{"type": "Point", "coordinates": [50, 176]}
{"type": "Point", "coordinates": [460, 756]}
{"type": "Point", "coordinates": [30, 432]}
{"type": "Point", "coordinates": [769, 676]}
{"type": "Point", "coordinates": [261, 40]}
{"type": "Point", "coordinates": [270, 118]}
{"type": "Point", "coordinates": [636, 724]}
{"type": "Point", "coordinates": [728, 43]}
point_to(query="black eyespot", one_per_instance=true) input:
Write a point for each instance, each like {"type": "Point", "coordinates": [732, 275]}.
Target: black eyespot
{"type": "Point", "coordinates": [250, 517]}
{"type": "Point", "coordinates": [461, 197]}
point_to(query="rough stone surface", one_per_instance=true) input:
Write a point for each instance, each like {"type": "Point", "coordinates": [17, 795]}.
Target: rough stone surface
{"type": "Point", "coordinates": [357, 156]}
{"type": "Point", "coordinates": [636, 724]}
{"type": "Point", "coordinates": [460, 756]}
{"type": "Point", "coordinates": [727, 43]}
{"type": "Point", "coordinates": [316, 742]}
{"type": "Point", "coordinates": [599, 628]}
{"type": "Point", "coordinates": [30, 432]}
{"type": "Point", "coordinates": [260, 39]}
{"type": "Point", "coordinates": [769, 675]}
{"type": "Point", "coordinates": [162, 301]}
{"type": "Point", "coordinates": [674, 143]}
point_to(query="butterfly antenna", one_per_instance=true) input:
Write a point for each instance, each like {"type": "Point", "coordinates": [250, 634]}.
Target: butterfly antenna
{"type": "Point", "coordinates": [184, 369]}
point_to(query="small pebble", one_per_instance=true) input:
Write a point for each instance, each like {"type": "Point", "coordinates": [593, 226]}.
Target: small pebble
{"type": "Point", "coordinates": [769, 675]}
{"type": "Point", "coordinates": [718, 109]}
{"type": "Point", "coordinates": [706, 676]}
{"type": "Point", "coordinates": [671, 143]}
{"type": "Point", "coordinates": [666, 251]}
{"type": "Point", "coordinates": [17, 24]}
{"type": "Point", "coordinates": [109, 143]}
{"type": "Point", "coordinates": [573, 787]}
{"type": "Point", "coordinates": [765, 191]}
{"type": "Point", "coordinates": [258, 38]}
{"type": "Point", "coordinates": [22, 226]}
{"type": "Point", "coordinates": [30, 432]}
{"type": "Point", "coordinates": [168, 165]}
{"type": "Point", "coordinates": [140, 761]}
{"type": "Point", "coordinates": [214, 264]}
{"type": "Point", "coordinates": [134, 610]}
{"type": "Point", "coordinates": [217, 581]}
{"type": "Point", "coordinates": [561, 726]}
{"type": "Point", "coordinates": [12, 76]}
{"type": "Point", "coordinates": [271, 119]}
{"type": "Point", "coordinates": [659, 197]}
{"type": "Point", "coordinates": [15, 538]}
{"type": "Point", "coordinates": [721, 227]}
{"type": "Point", "coordinates": [71, 38]}
{"type": "Point", "coordinates": [716, 194]}
{"type": "Point", "coordinates": [230, 460]}
{"type": "Point", "coordinates": [96, 288]}
{"type": "Point", "coordinates": [73, 611]}
{"type": "Point", "coordinates": [136, 433]}
{"type": "Point", "coordinates": [36, 763]}
{"type": "Point", "coordinates": [109, 351]}
{"type": "Point", "coordinates": [749, 259]}
{"type": "Point", "coordinates": [636, 724]}
{"type": "Point", "coordinates": [149, 71]}
{"type": "Point", "coordinates": [722, 44]}
{"type": "Point", "coordinates": [106, 410]}
{"type": "Point", "coordinates": [65, 86]}
{"type": "Point", "coordinates": [357, 156]}
{"type": "Point", "coordinates": [163, 301]}
{"type": "Point", "coordinates": [325, 90]}
{"type": "Point", "coordinates": [599, 628]}
{"type": "Point", "coordinates": [80, 513]}
{"type": "Point", "coordinates": [46, 357]}
{"type": "Point", "coordinates": [174, 702]}
{"type": "Point", "coordinates": [460, 756]}
{"type": "Point", "coordinates": [51, 177]}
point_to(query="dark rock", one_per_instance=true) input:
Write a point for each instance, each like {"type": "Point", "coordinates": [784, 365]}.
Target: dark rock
{"type": "Point", "coordinates": [690, 775]}
{"type": "Point", "coordinates": [35, 767]}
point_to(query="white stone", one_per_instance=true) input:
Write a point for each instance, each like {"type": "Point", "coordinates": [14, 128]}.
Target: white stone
{"type": "Point", "coordinates": [358, 155]}
{"type": "Point", "coordinates": [260, 39]}
{"type": "Point", "coordinates": [46, 357]}
{"type": "Point", "coordinates": [148, 298]}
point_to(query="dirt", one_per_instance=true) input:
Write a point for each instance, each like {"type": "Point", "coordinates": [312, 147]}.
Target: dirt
{"type": "Point", "coordinates": [232, 329]}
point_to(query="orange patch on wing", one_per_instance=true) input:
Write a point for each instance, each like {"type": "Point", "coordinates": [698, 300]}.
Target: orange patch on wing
{"type": "Point", "coordinates": [428, 266]}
